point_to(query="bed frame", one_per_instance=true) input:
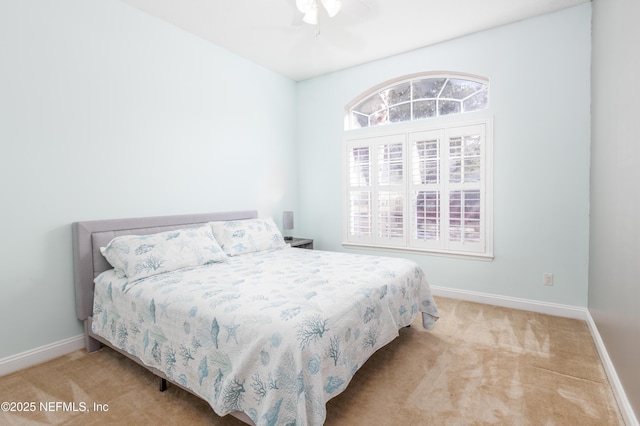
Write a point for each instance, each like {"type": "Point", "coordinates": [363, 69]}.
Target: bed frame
{"type": "Point", "coordinates": [88, 263]}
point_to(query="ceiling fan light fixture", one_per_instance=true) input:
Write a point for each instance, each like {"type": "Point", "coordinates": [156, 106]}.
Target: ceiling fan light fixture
{"type": "Point", "coordinates": [332, 7]}
{"type": "Point", "coordinates": [305, 6]}
{"type": "Point", "coordinates": [311, 15]}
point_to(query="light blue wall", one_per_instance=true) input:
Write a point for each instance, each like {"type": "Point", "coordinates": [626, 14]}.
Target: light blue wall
{"type": "Point", "coordinates": [106, 112]}
{"type": "Point", "coordinates": [539, 71]}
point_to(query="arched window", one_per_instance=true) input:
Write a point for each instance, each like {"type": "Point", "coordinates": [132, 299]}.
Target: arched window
{"type": "Point", "coordinates": [425, 185]}
{"type": "Point", "coordinates": [417, 97]}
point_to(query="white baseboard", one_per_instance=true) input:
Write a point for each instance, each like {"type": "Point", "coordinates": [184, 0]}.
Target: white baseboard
{"type": "Point", "coordinates": [555, 309]}
{"type": "Point", "coordinates": [618, 391]}
{"type": "Point", "coordinates": [548, 308]}
{"type": "Point", "coordinates": [40, 355]}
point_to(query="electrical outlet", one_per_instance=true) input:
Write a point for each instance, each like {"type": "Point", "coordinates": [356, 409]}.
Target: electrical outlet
{"type": "Point", "coordinates": [547, 278]}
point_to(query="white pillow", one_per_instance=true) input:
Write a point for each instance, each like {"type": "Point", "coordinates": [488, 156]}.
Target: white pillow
{"type": "Point", "coordinates": [247, 236]}
{"type": "Point", "coordinates": [142, 256]}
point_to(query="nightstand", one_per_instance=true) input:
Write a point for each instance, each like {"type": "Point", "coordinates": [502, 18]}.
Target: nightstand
{"type": "Point", "coordinates": [304, 243]}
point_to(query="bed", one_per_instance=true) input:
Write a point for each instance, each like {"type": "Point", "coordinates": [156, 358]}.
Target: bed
{"type": "Point", "coordinates": [258, 329]}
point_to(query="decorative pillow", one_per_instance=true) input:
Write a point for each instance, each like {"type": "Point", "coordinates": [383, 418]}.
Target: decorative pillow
{"type": "Point", "coordinates": [142, 256]}
{"type": "Point", "coordinates": [247, 236]}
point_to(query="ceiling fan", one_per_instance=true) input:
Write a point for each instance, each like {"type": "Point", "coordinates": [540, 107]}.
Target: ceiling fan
{"type": "Point", "coordinates": [308, 9]}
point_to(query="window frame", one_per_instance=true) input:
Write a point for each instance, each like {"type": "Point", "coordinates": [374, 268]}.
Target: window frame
{"type": "Point", "coordinates": [405, 130]}
{"type": "Point", "coordinates": [348, 118]}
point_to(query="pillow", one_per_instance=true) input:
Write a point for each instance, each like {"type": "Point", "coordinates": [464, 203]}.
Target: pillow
{"type": "Point", "coordinates": [247, 236]}
{"type": "Point", "coordinates": [142, 256]}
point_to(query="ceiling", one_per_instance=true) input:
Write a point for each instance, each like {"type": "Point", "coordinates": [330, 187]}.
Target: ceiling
{"type": "Point", "coordinates": [272, 34]}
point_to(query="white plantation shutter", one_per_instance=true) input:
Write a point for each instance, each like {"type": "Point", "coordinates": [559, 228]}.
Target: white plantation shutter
{"type": "Point", "coordinates": [421, 190]}
{"type": "Point", "coordinates": [390, 190]}
{"type": "Point", "coordinates": [360, 213]}
{"type": "Point", "coordinates": [464, 188]}
{"type": "Point", "coordinates": [425, 189]}
{"type": "Point", "coordinates": [376, 190]}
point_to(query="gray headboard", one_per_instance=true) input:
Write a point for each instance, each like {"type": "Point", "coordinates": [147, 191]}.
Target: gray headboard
{"type": "Point", "coordinates": [89, 236]}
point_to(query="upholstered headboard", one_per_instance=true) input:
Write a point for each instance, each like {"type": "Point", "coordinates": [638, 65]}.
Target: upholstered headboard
{"type": "Point", "coordinates": [89, 236]}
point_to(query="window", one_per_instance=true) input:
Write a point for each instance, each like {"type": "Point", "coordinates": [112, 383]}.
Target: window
{"type": "Point", "coordinates": [417, 98]}
{"type": "Point", "coordinates": [425, 185]}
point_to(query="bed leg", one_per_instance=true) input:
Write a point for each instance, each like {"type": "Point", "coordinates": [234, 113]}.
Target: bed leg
{"type": "Point", "coordinates": [90, 344]}
{"type": "Point", "coordinates": [163, 384]}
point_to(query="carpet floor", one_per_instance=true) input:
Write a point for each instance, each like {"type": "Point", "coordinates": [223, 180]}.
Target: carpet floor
{"type": "Point", "coordinates": [479, 365]}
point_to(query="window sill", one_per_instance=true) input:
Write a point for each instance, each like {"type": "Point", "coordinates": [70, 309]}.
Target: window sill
{"type": "Point", "coordinates": [486, 257]}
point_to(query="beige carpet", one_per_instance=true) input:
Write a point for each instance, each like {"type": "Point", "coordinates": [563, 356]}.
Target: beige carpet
{"type": "Point", "coordinates": [479, 365]}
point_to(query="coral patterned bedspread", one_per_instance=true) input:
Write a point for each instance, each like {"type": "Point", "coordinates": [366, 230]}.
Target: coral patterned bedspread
{"type": "Point", "coordinates": [274, 334]}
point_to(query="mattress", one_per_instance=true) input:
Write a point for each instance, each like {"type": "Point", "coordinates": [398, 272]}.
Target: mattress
{"type": "Point", "coordinates": [273, 334]}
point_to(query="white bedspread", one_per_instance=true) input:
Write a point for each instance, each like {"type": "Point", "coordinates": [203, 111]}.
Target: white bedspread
{"type": "Point", "coordinates": [273, 334]}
